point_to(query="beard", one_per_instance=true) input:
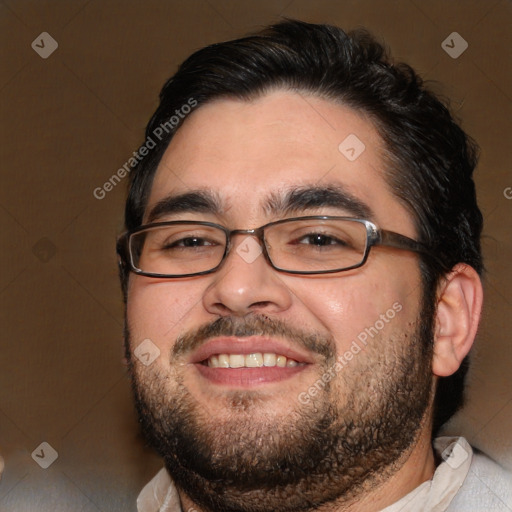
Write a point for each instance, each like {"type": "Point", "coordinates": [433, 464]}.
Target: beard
{"type": "Point", "coordinates": [352, 435]}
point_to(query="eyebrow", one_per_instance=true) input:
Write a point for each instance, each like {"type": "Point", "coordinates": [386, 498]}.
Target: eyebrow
{"type": "Point", "coordinates": [306, 198]}
{"type": "Point", "coordinates": [197, 201]}
{"type": "Point", "coordinates": [293, 201]}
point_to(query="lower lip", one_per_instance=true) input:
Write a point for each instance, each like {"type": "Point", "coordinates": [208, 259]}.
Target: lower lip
{"type": "Point", "coordinates": [248, 377]}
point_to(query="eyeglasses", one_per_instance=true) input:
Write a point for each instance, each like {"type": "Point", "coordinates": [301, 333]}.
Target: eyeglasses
{"type": "Point", "coordinates": [302, 245]}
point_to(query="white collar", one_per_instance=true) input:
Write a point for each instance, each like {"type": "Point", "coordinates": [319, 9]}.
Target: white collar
{"type": "Point", "coordinates": [436, 494]}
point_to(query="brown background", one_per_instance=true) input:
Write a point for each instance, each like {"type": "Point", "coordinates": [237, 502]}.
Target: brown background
{"type": "Point", "coordinates": [71, 120]}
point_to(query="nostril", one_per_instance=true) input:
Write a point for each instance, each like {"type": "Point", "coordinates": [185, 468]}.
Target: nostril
{"type": "Point", "coordinates": [221, 309]}
{"type": "Point", "coordinates": [260, 305]}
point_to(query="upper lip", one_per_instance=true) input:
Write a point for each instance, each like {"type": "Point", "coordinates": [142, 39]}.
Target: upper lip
{"type": "Point", "coordinates": [248, 345]}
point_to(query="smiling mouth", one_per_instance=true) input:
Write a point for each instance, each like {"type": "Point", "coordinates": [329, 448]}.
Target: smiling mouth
{"type": "Point", "coordinates": [254, 360]}
{"type": "Point", "coordinates": [245, 362]}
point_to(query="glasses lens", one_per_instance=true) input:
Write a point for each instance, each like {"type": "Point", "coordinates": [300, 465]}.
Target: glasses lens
{"type": "Point", "coordinates": [316, 245]}
{"type": "Point", "coordinates": [177, 249]}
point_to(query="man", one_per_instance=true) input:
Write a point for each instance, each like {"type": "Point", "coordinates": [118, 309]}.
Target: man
{"type": "Point", "coordinates": [301, 271]}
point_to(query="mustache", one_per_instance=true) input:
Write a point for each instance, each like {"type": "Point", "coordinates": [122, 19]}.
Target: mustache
{"type": "Point", "coordinates": [256, 325]}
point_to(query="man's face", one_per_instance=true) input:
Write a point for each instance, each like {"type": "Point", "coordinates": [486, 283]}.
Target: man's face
{"type": "Point", "coordinates": [279, 434]}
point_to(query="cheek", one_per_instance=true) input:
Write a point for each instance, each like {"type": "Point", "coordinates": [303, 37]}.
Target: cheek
{"type": "Point", "coordinates": [350, 305]}
{"type": "Point", "coordinates": [161, 310]}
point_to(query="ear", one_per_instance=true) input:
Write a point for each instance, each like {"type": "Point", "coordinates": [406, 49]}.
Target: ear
{"type": "Point", "coordinates": [459, 306]}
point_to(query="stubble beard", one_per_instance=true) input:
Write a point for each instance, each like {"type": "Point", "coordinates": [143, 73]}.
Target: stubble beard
{"type": "Point", "coordinates": [324, 452]}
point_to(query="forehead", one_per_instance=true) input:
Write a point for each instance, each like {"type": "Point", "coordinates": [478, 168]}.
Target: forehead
{"type": "Point", "coordinates": [246, 152]}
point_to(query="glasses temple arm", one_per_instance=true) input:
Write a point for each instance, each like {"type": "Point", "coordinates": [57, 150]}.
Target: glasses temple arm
{"type": "Point", "coordinates": [392, 239]}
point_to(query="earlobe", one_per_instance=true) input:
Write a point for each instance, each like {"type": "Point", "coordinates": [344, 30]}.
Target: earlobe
{"type": "Point", "coordinates": [459, 307]}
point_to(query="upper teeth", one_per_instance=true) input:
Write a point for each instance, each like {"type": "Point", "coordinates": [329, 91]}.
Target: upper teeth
{"type": "Point", "coordinates": [256, 360]}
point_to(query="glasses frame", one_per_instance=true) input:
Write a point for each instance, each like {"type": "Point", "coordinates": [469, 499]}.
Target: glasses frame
{"type": "Point", "coordinates": [375, 236]}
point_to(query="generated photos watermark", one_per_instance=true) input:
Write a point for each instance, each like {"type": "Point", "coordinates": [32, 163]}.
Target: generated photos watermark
{"type": "Point", "coordinates": [150, 143]}
{"type": "Point", "coordinates": [45, 455]}
{"type": "Point", "coordinates": [356, 346]}
{"type": "Point", "coordinates": [146, 352]}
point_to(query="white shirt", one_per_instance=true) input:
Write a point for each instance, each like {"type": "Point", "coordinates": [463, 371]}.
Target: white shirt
{"type": "Point", "coordinates": [466, 481]}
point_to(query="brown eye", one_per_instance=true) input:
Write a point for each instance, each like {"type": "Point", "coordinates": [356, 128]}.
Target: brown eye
{"type": "Point", "coordinates": [189, 242]}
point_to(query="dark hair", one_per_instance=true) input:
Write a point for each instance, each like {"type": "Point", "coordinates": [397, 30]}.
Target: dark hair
{"type": "Point", "coordinates": [429, 159]}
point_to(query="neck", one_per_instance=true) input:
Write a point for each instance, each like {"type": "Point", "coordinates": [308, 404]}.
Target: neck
{"type": "Point", "coordinates": [415, 468]}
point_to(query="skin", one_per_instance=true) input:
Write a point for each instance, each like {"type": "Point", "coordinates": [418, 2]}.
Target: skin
{"type": "Point", "coordinates": [244, 151]}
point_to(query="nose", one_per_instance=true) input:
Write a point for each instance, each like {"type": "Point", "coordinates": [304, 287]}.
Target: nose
{"type": "Point", "coordinates": [246, 283]}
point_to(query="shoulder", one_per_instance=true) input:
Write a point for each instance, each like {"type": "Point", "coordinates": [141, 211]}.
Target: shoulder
{"type": "Point", "coordinates": [487, 486]}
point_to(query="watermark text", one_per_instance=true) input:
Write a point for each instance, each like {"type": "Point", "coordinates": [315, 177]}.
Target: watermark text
{"type": "Point", "coordinates": [344, 359]}
{"type": "Point", "coordinates": [151, 142]}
